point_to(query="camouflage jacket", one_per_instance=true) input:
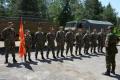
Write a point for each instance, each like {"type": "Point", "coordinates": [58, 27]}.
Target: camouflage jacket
{"type": "Point", "coordinates": [60, 36]}
{"type": "Point", "coordinates": [9, 36]}
{"type": "Point", "coordinates": [40, 38]}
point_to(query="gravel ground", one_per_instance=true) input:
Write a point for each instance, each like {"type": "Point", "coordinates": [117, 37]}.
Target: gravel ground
{"type": "Point", "coordinates": [70, 68]}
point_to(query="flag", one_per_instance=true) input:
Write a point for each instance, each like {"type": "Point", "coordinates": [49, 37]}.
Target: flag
{"type": "Point", "coordinates": [22, 49]}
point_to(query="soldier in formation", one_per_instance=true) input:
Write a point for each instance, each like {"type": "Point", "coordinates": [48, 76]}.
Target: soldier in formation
{"type": "Point", "coordinates": [70, 38]}
{"type": "Point", "coordinates": [111, 51]}
{"type": "Point", "coordinates": [79, 41]}
{"type": "Point", "coordinates": [60, 39]}
{"type": "Point", "coordinates": [101, 40]}
{"type": "Point", "coordinates": [40, 40]}
{"type": "Point", "coordinates": [51, 42]}
{"type": "Point", "coordinates": [86, 42]}
{"type": "Point", "coordinates": [9, 36]}
{"type": "Point", "coordinates": [93, 40]}
{"type": "Point", "coordinates": [28, 45]}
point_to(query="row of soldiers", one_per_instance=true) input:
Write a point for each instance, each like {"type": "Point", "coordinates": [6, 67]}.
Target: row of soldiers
{"type": "Point", "coordinates": [80, 39]}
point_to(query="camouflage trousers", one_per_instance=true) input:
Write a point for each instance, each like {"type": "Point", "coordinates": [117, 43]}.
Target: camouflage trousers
{"type": "Point", "coordinates": [9, 49]}
{"type": "Point", "coordinates": [78, 47]}
{"type": "Point", "coordinates": [100, 46]}
{"type": "Point", "coordinates": [69, 46]}
{"type": "Point", "coordinates": [86, 47]}
{"type": "Point", "coordinates": [28, 50]}
{"type": "Point", "coordinates": [60, 47]}
{"type": "Point", "coordinates": [52, 48]}
{"type": "Point", "coordinates": [110, 62]}
{"type": "Point", "coordinates": [39, 48]}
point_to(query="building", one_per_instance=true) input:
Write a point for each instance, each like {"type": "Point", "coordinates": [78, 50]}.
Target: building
{"type": "Point", "coordinates": [87, 24]}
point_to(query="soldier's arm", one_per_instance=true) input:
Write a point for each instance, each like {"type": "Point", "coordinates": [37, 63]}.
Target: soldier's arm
{"type": "Point", "coordinates": [57, 35]}
{"type": "Point", "coordinates": [47, 36]}
{"type": "Point", "coordinates": [106, 41]}
{"type": "Point", "coordinates": [35, 38]}
{"type": "Point", "coordinates": [3, 34]}
{"type": "Point", "coordinates": [66, 36]}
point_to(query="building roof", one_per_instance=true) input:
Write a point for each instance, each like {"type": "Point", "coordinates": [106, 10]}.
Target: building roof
{"type": "Point", "coordinates": [99, 22]}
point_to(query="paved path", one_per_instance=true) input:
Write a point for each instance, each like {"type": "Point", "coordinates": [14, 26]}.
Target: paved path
{"type": "Point", "coordinates": [76, 68]}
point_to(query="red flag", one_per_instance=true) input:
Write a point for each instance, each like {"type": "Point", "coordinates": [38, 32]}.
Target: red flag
{"type": "Point", "coordinates": [22, 49]}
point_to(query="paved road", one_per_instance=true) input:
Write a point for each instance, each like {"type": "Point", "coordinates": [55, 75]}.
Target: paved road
{"type": "Point", "coordinates": [76, 68]}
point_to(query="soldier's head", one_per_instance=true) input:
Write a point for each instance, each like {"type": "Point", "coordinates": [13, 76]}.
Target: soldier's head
{"type": "Point", "coordinates": [94, 30]}
{"type": "Point", "coordinates": [102, 30]}
{"type": "Point", "coordinates": [61, 28]}
{"type": "Point", "coordinates": [52, 29]}
{"type": "Point", "coordinates": [70, 30]}
{"type": "Point", "coordinates": [39, 28]}
{"type": "Point", "coordinates": [27, 31]}
{"type": "Point", "coordinates": [87, 31]}
{"type": "Point", "coordinates": [80, 30]}
{"type": "Point", "coordinates": [110, 29]}
{"type": "Point", "coordinates": [10, 24]}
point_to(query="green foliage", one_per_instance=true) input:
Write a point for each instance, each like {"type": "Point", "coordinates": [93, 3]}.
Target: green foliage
{"type": "Point", "coordinates": [54, 10]}
{"type": "Point", "coordinates": [109, 14]}
{"type": "Point", "coordinates": [29, 7]}
{"type": "Point", "coordinates": [60, 11]}
{"type": "Point", "coordinates": [93, 9]}
{"type": "Point", "coordinates": [66, 14]}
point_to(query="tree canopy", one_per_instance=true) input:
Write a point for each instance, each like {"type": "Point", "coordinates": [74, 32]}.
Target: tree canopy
{"type": "Point", "coordinates": [59, 11]}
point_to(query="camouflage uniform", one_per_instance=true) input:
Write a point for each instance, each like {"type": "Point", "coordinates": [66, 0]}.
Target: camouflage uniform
{"type": "Point", "coordinates": [60, 39]}
{"type": "Point", "coordinates": [70, 38]}
{"type": "Point", "coordinates": [28, 45]}
{"type": "Point", "coordinates": [79, 42]}
{"type": "Point", "coordinates": [40, 39]}
{"type": "Point", "coordinates": [51, 43]}
{"type": "Point", "coordinates": [9, 35]}
{"type": "Point", "coordinates": [101, 41]}
{"type": "Point", "coordinates": [86, 42]}
{"type": "Point", "coordinates": [111, 50]}
{"type": "Point", "coordinates": [93, 40]}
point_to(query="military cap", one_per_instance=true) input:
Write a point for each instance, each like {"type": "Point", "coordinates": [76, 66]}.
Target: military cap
{"type": "Point", "coordinates": [110, 27]}
{"type": "Point", "coordinates": [27, 30]}
{"type": "Point", "coordinates": [61, 27]}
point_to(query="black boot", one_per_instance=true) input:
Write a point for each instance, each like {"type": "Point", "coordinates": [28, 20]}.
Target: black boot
{"type": "Point", "coordinates": [25, 59]}
{"type": "Point", "coordinates": [107, 72]}
{"type": "Point", "coordinates": [30, 59]}
{"type": "Point", "coordinates": [76, 53]}
{"type": "Point", "coordinates": [6, 61]}
{"type": "Point", "coordinates": [72, 55]}
{"type": "Point", "coordinates": [47, 55]}
{"type": "Point", "coordinates": [36, 56]}
{"type": "Point", "coordinates": [113, 69]}
{"type": "Point", "coordinates": [57, 55]}
{"type": "Point", "coordinates": [42, 56]}
{"type": "Point", "coordinates": [54, 56]}
{"type": "Point", "coordinates": [14, 60]}
{"type": "Point", "coordinates": [62, 54]}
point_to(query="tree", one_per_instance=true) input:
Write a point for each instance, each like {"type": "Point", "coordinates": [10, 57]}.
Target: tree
{"type": "Point", "coordinates": [54, 10]}
{"type": "Point", "coordinates": [29, 7]}
{"type": "Point", "coordinates": [78, 9]}
{"type": "Point", "coordinates": [1, 8]}
{"type": "Point", "coordinates": [66, 14]}
{"type": "Point", "coordinates": [13, 7]}
{"type": "Point", "coordinates": [109, 14]}
{"type": "Point", "coordinates": [42, 4]}
{"type": "Point", "coordinates": [93, 9]}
